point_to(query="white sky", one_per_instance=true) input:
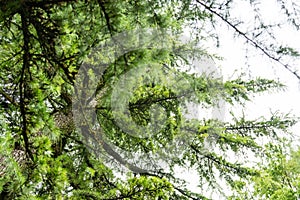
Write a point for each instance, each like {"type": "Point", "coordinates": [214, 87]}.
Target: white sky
{"type": "Point", "coordinates": [232, 49]}
{"type": "Point", "coordinates": [234, 63]}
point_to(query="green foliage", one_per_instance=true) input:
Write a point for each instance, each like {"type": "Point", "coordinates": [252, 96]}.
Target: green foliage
{"type": "Point", "coordinates": [44, 155]}
{"type": "Point", "coordinates": [280, 177]}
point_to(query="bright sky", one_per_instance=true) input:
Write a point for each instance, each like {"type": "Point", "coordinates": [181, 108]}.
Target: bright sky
{"type": "Point", "coordinates": [233, 52]}
{"type": "Point", "coordinates": [234, 63]}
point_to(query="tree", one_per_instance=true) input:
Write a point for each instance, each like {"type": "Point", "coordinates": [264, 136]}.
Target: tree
{"type": "Point", "coordinates": [44, 154]}
{"type": "Point", "coordinates": [283, 174]}
{"type": "Point", "coordinates": [279, 177]}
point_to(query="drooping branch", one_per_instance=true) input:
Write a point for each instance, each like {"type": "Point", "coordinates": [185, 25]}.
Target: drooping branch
{"type": "Point", "coordinates": [107, 19]}
{"type": "Point", "coordinates": [8, 97]}
{"type": "Point", "coordinates": [26, 60]}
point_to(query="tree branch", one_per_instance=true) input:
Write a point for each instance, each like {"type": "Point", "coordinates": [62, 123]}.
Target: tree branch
{"type": "Point", "coordinates": [108, 24]}
{"type": "Point", "coordinates": [251, 41]}
{"type": "Point", "coordinates": [22, 81]}
{"type": "Point", "coordinates": [7, 97]}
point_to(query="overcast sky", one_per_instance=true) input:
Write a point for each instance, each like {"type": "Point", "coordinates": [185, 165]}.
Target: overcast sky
{"type": "Point", "coordinates": [232, 49]}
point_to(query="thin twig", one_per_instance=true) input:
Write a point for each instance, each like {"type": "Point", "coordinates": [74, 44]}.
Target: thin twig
{"type": "Point", "coordinates": [251, 41]}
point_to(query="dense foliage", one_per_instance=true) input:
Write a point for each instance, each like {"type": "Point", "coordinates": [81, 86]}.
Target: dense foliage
{"type": "Point", "coordinates": [45, 155]}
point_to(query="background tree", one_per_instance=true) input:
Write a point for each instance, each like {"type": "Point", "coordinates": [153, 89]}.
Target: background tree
{"type": "Point", "coordinates": [283, 175]}
{"type": "Point", "coordinates": [279, 176]}
{"type": "Point", "coordinates": [43, 155]}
